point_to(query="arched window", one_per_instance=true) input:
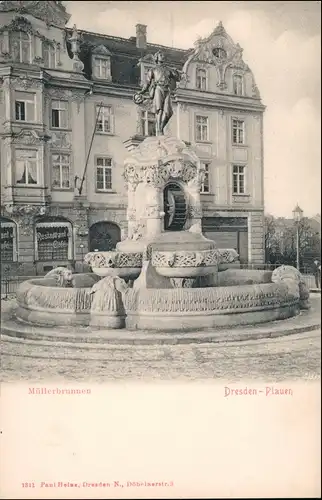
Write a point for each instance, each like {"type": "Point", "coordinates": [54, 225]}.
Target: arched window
{"type": "Point", "coordinates": [201, 79]}
{"type": "Point", "coordinates": [220, 53]}
{"type": "Point", "coordinates": [21, 46]}
{"type": "Point", "coordinates": [8, 240]}
{"type": "Point", "coordinates": [53, 240]}
{"type": "Point", "coordinates": [49, 55]}
{"type": "Point", "coordinates": [103, 236]}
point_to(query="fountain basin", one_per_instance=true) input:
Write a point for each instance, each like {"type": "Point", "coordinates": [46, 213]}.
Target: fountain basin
{"type": "Point", "coordinates": [126, 265]}
{"type": "Point", "coordinates": [110, 303]}
{"type": "Point", "coordinates": [181, 309]}
{"type": "Point", "coordinates": [46, 302]}
{"type": "Point", "coordinates": [121, 272]}
{"type": "Point", "coordinates": [186, 272]}
{"type": "Point", "coordinates": [185, 264]}
{"type": "Point", "coordinates": [41, 301]}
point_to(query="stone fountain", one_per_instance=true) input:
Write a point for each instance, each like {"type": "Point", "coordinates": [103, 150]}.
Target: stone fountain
{"type": "Point", "coordinates": [165, 276]}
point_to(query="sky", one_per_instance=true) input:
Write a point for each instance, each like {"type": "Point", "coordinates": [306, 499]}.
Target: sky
{"type": "Point", "coordinates": [282, 46]}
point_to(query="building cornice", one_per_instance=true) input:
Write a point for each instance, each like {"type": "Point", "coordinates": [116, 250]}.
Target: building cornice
{"type": "Point", "coordinates": [112, 89]}
{"type": "Point", "coordinates": [214, 210]}
{"type": "Point", "coordinates": [218, 101]}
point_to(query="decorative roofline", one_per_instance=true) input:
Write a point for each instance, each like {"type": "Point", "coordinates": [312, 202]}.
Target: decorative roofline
{"type": "Point", "coordinates": [122, 39]}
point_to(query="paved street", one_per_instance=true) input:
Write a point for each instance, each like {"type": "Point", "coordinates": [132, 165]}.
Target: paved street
{"type": "Point", "coordinates": [290, 357]}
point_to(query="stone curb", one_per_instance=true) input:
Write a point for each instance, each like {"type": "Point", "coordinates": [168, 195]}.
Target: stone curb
{"type": "Point", "coordinates": [104, 343]}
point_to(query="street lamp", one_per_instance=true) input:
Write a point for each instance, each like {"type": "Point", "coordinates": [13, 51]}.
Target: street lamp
{"type": "Point", "coordinates": [81, 246]}
{"type": "Point", "coordinates": [297, 216]}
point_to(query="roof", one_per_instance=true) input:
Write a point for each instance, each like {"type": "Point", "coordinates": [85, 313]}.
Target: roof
{"type": "Point", "coordinates": [125, 55]}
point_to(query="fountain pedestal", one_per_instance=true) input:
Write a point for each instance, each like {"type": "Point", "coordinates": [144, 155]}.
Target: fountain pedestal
{"type": "Point", "coordinates": [156, 163]}
{"type": "Point", "coordinates": [163, 177]}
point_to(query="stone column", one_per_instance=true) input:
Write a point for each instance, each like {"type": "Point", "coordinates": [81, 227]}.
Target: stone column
{"type": "Point", "coordinates": [5, 43]}
{"type": "Point", "coordinates": [195, 207]}
{"type": "Point", "coordinates": [131, 208]}
{"type": "Point", "coordinates": [9, 179]}
{"type": "Point", "coordinates": [38, 52]}
{"type": "Point", "coordinates": [153, 211]}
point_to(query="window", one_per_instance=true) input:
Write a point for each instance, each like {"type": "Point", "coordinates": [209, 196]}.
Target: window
{"type": "Point", "coordinates": [146, 70]}
{"type": "Point", "coordinates": [219, 52]}
{"type": "Point", "coordinates": [59, 114]}
{"type": "Point", "coordinates": [49, 55]}
{"type": "Point", "coordinates": [104, 121]}
{"type": "Point", "coordinates": [26, 167]}
{"type": "Point", "coordinates": [8, 241]}
{"type": "Point", "coordinates": [52, 241]}
{"type": "Point", "coordinates": [239, 179]}
{"type": "Point", "coordinates": [238, 85]}
{"type": "Point", "coordinates": [205, 185]}
{"type": "Point", "coordinates": [25, 107]}
{"type": "Point", "coordinates": [21, 46]}
{"type": "Point", "coordinates": [201, 79]}
{"type": "Point", "coordinates": [201, 128]}
{"type": "Point", "coordinates": [147, 123]}
{"type": "Point", "coordinates": [238, 132]}
{"type": "Point", "coordinates": [103, 174]}
{"type": "Point", "coordinates": [61, 171]}
{"type": "Point", "coordinates": [102, 68]}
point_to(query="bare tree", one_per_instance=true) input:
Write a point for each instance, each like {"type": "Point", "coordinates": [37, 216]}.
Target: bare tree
{"type": "Point", "coordinates": [280, 241]}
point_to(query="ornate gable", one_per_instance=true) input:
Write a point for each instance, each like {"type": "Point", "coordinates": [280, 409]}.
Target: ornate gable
{"type": "Point", "coordinates": [220, 51]}
{"type": "Point", "coordinates": [52, 13]}
{"type": "Point", "coordinates": [101, 50]}
{"type": "Point", "coordinates": [147, 59]}
{"type": "Point", "coordinates": [20, 23]}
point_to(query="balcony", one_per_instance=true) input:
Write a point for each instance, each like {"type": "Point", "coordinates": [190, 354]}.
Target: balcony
{"type": "Point", "coordinates": [26, 194]}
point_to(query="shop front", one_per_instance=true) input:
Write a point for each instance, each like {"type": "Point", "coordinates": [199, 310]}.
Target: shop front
{"type": "Point", "coordinates": [53, 245]}
{"type": "Point", "coordinates": [8, 241]}
{"type": "Point", "coordinates": [228, 232]}
{"type": "Point", "coordinates": [9, 249]}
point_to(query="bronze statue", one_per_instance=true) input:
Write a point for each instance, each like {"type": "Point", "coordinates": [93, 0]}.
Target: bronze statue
{"type": "Point", "coordinates": [161, 82]}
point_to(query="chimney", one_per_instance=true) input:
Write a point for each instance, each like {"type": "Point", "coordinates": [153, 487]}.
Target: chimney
{"type": "Point", "coordinates": [141, 36]}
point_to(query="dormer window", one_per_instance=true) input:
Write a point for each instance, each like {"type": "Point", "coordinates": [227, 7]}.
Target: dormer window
{"type": "Point", "coordinates": [145, 64]}
{"type": "Point", "coordinates": [49, 55]}
{"type": "Point", "coordinates": [101, 68]}
{"type": "Point", "coordinates": [20, 45]}
{"type": "Point", "coordinates": [201, 79]}
{"type": "Point", "coordinates": [238, 85]}
{"type": "Point", "coordinates": [146, 70]}
{"type": "Point", "coordinates": [101, 63]}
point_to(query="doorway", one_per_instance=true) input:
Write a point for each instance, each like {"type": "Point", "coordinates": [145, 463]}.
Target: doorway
{"type": "Point", "coordinates": [103, 236]}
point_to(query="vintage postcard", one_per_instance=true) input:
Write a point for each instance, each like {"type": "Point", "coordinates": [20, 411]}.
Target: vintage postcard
{"type": "Point", "coordinates": [160, 249]}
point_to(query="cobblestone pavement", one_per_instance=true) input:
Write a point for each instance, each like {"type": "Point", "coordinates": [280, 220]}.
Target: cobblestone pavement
{"type": "Point", "coordinates": [292, 357]}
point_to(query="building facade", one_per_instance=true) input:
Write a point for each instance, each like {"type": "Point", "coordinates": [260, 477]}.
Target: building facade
{"type": "Point", "coordinates": [68, 121]}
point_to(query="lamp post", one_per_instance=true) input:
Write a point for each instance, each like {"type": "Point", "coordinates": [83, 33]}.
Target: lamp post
{"type": "Point", "coordinates": [81, 246]}
{"type": "Point", "coordinates": [297, 216]}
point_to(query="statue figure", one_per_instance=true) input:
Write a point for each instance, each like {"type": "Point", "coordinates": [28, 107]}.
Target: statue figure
{"type": "Point", "coordinates": [63, 277]}
{"type": "Point", "coordinates": [161, 82]}
{"type": "Point", "coordinates": [107, 294]}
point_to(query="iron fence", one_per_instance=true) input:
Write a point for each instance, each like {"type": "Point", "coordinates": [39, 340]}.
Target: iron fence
{"type": "Point", "coordinates": [305, 270]}
{"type": "Point", "coordinates": [9, 286]}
